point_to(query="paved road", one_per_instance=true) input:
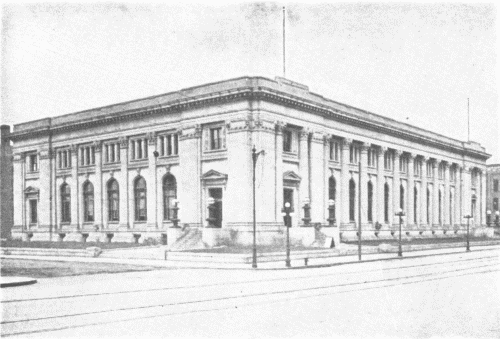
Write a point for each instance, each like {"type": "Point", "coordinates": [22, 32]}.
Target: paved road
{"type": "Point", "coordinates": [439, 296]}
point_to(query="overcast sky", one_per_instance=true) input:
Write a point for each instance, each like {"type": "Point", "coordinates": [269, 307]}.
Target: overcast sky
{"type": "Point", "coordinates": [416, 63]}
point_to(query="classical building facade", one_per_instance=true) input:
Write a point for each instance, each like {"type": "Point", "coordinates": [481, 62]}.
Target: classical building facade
{"type": "Point", "coordinates": [493, 192]}
{"type": "Point", "coordinates": [117, 172]}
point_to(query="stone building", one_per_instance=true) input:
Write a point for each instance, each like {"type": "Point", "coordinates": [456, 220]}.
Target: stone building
{"type": "Point", "coordinates": [115, 172]}
{"type": "Point", "coordinates": [6, 211]}
{"type": "Point", "coordinates": [493, 190]}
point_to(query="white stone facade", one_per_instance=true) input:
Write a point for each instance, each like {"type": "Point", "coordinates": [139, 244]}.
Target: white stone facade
{"type": "Point", "coordinates": [201, 139]}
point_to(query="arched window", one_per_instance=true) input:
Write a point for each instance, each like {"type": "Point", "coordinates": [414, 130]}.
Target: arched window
{"type": "Point", "coordinates": [332, 194]}
{"type": "Point", "coordinates": [352, 199]}
{"type": "Point", "coordinates": [440, 208]}
{"type": "Point", "coordinates": [415, 200]}
{"type": "Point", "coordinates": [386, 203]}
{"type": "Point", "coordinates": [402, 198]}
{"type": "Point", "coordinates": [169, 194]}
{"type": "Point", "coordinates": [140, 199]}
{"type": "Point", "coordinates": [370, 201]}
{"type": "Point", "coordinates": [88, 201]}
{"type": "Point", "coordinates": [65, 203]}
{"type": "Point", "coordinates": [428, 206]}
{"type": "Point", "coordinates": [113, 200]}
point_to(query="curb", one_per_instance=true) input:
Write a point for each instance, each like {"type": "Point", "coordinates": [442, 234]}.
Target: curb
{"type": "Point", "coordinates": [16, 281]}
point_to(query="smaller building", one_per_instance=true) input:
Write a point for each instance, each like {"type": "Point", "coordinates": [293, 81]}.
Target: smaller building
{"type": "Point", "coordinates": [493, 190]}
{"type": "Point", "coordinates": [6, 193]}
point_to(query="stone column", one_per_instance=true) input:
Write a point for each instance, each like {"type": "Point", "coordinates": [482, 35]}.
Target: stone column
{"type": "Point", "coordinates": [327, 173]}
{"type": "Point", "coordinates": [435, 194]}
{"type": "Point", "coordinates": [318, 174]}
{"type": "Point", "coordinates": [151, 180]}
{"type": "Point", "coordinates": [482, 210]}
{"type": "Point", "coordinates": [75, 187]}
{"type": "Point", "coordinates": [396, 187]}
{"type": "Point", "coordinates": [363, 183]}
{"type": "Point", "coordinates": [279, 171]}
{"type": "Point", "coordinates": [344, 183]}
{"type": "Point", "coordinates": [466, 193]}
{"type": "Point", "coordinates": [98, 200]}
{"type": "Point", "coordinates": [123, 183]}
{"type": "Point", "coordinates": [54, 191]}
{"type": "Point", "coordinates": [45, 198]}
{"type": "Point", "coordinates": [304, 173]}
{"type": "Point", "coordinates": [446, 198]}
{"type": "Point", "coordinates": [410, 220]}
{"type": "Point", "coordinates": [381, 183]}
{"type": "Point", "coordinates": [18, 203]}
{"type": "Point", "coordinates": [458, 196]}
{"type": "Point", "coordinates": [423, 195]}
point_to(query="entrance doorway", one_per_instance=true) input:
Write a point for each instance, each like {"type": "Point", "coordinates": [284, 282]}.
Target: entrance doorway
{"type": "Point", "coordinates": [216, 210]}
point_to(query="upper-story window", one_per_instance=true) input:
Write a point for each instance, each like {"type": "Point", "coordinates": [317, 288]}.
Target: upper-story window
{"type": "Point", "coordinates": [453, 173]}
{"type": "Point", "coordinates": [139, 149]}
{"type": "Point", "coordinates": [429, 169]}
{"type": "Point", "coordinates": [417, 168]}
{"type": "Point", "coordinates": [388, 160]}
{"type": "Point", "coordinates": [111, 152]}
{"type": "Point", "coordinates": [32, 162]}
{"type": "Point", "coordinates": [353, 153]}
{"type": "Point", "coordinates": [169, 144]}
{"type": "Point", "coordinates": [403, 164]}
{"type": "Point", "coordinates": [474, 178]}
{"type": "Point", "coordinates": [64, 158]}
{"type": "Point", "coordinates": [441, 171]}
{"type": "Point", "coordinates": [372, 157]}
{"type": "Point", "coordinates": [87, 155]}
{"type": "Point", "coordinates": [214, 138]}
{"type": "Point", "coordinates": [334, 150]}
{"type": "Point", "coordinates": [495, 185]}
{"type": "Point", "coordinates": [287, 140]}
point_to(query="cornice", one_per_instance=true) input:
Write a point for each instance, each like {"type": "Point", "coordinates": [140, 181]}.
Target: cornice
{"type": "Point", "coordinates": [250, 93]}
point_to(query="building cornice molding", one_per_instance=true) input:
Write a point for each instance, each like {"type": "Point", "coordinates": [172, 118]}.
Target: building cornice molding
{"type": "Point", "coordinates": [255, 93]}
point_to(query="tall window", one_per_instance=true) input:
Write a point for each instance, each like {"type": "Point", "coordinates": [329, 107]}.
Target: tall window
{"type": "Point", "coordinates": [332, 193]}
{"type": "Point", "coordinates": [402, 198]}
{"type": "Point", "coordinates": [370, 201]}
{"type": "Point", "coordinates": [287, 140]}
{"type": "Point", "coordinates": [403, 165]}
{"type": "Point", "coordinates": [352, 200]}
{"type": "Point", "coordinates": [64, 159]}
{"type": "Point", "coordinates": [415, 200]}
{"type": "Point", "coordinates": [372, 157]}
{"type": "Point", "coordinates": [386, 203]}
{"type": "Point", "coordinates": [87, 155]}
{"type": "Point", "coordinates": [495, 204]}
{"type": "Point", "coordinates": [451, 208]}
{"type": "Point", "coordinates": [441, 171]}
{"type": "Point", "coordinates": [428, 206]}
{"type": "Point", "coordinates": [140, 199]}
{"type": "Point", "coordinates": [495, 185]}
{"type": "Point", "coordinates": [88, 201]}
{"type": "Point", "coordinates": [417, 168]}
{"type": "Point", "coordinates": [65, 203]}
{"type": "Point", "coordinates": [429, 169]}
{"type": "Point", "coordinates": [440, 207]}
{"type": "Point", "coordinates": [33, 211]}
{"type": "Point", "coordinates": [453, 173]}
{"type": "Point", "coordinates": [215, 138]}
{"type": "Point", "coordinates": [388, 160]}
{"type": "Point", "coordinates": [33, 162]}
{"type": "Point", "coordinates": [169, 145]}
{"type": "Point", "coordinates": [113, 200]}
{"type": "Point", "coordinates": [139, 149]}
{"type": "Point", "coordinates": [353, 153]}
{"type": "Point", "coordinates": [112, 152]}
{"type": "Point", "coordinates": [334, 150]}
{"type": "Point", "coordinates": [169, 194]}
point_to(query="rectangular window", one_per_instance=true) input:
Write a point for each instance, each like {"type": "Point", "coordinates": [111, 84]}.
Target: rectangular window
{"type": "Point", "coordinates": [429, 170]}
{"type": "Point", "coordinates": [334, 150]}
{"type": "Point", "coordinates": [33, 162]}
{"type": "Point", "coordinates": [169, 145]}
{"type": "Point", "coordinates": [417, 165]}
{"type": "Point", "coordinates": [215, 138]}
{"type": "Point", "coordinates": [353, 154]}
{"type": "Point", "coordinates": [372, 157]}
{"type": "Point", "coordinates": [64, 159]}
{"type": "Point", "coordinates": [139, 149]}
{"type": "Point", "coordinates": [441, 171]}
{"type": "Point", "coordinates": [453, 174]}
{"type": "Point", "coordinates": [87, 155]}
{"type": "Point", "coordinates": [112, 153]}
{"type": "Point", "coordinates": [287, 141]}
{"type": "Point", "coordinates": [495, 185]}
{"type": "Point", "coordinates": [495, 204]}
{"type": "Point", "coordinates": [403, 165]}
{"type": "Point", "coordinates": [388, 161]}
{"type": "Point", "coordinates": [33, 211]}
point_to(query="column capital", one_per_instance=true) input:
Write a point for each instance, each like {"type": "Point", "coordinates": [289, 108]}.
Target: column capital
{"type": "Point", "coordinates": [73, 148]}
{"type": "Point", "coordinates": [304, 134]}
{"type": "Point", "coordinates": [346, 143]}
{"type": "Point", "coordinates": [279, 126]}
{"type": "Point", "coordinates": [123, 142]}
{"type": "Point", "coordinates": [188, 132]}
{"type": "Point", "coordinates": [45, 154]}
{"type": "Point", "coordinates": [317, 136]}
{"type": "Point", "coordinates": [18, 157]}
{"type": "Point", "coordinates": [365, 147]}
{"type": "Point", "coordinates": [97, 145]}
{"type": "Point", "coordinates": [398, 153]}
{"type": "Point", "coordinates": [151, 136]}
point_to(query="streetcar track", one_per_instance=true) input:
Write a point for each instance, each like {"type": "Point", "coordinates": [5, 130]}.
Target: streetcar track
{"type": "Point", "coordinates": [259, 303]}
{"type": "Point", "coordinates": [248, 295]}
{"type": "Point", "coordinates": [488, 258]}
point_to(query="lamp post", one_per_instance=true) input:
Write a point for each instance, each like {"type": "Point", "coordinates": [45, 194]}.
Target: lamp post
{"type": "Point", "coordinates": [286, 212]}
{"type": "Point", "coordinates": [488, 218]}
{"type": "Point", "coordinates": [468, 217]}
{"type": "Point", "coordinates": [175, 220]}
{"type": "Point", "coordinates": [497, 221]}
{"type": "Point", "coordinates": [210, 219]}
{"type": "Point", "coordinates": [255, 156]}
{"type": "Point", "coordinates": [307, 211]}
{"type": "Point", "coordinates": [400, 214]}
{"type": "Point", "coordinates": [331, 211]}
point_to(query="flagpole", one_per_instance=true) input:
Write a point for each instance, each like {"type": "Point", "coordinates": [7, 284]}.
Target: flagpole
{"type": "Point", "coordinates": [468, 121]}
{"type": "Point", "coordinates": [284, 69]}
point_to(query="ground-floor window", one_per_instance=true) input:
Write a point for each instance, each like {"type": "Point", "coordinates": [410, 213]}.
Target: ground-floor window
{"type": "Point", "coordinates": [352, 200]}
{"type": "Point", "coordinates": [332, 193]}
{"type": "Point", "coordinates": [113, 200]}
{"type": "Point", "coordinates": [140, 199]}
{"type": "Point", "coordinates": [386, 203]}
{"type": "Point", "coordinates": [33, 211]}
{"type": "Point", "coordinates": [215, 212]}
{"type": "Point", "coordinates": [415, 200]}
{"type": "Point", "coordinates": [65, 203]}
{"type": "Point", "coordinates": [428, 206]}
{"type": "Point", "coordinates": [370, 201]}
{"type": "Point", "coordinates": [402, 198]}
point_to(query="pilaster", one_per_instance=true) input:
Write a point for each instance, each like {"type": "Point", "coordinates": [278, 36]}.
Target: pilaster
{"type": "Point", "coordinates": [380, 185]}
{"type": "Point", "coordinates": [446, 198]}
{"type": "Point", "coordinates": [482, 210]}
{"type": "Point", "coordinates": [304, 171]}
{"type": "Point", "coordinates": [123, 183]}
{"type": "Point", "coordinates": [151, 177]}
{"type": "Point", "coordinates": [98, 191]}
{"type": "Point", "coordinates": [45, 201]}
{"type": "Point", "coordinates": [423, 196]}
{"type": "Point", "coordinates": [317, 177]}
{"type": "Point", "coordinates": [435, 194]}
{"type": "Point", "coordinates": [19, 182]}
{"type": "Point", "coordinates": [75, 189]}
{"type": "Point", "coordinates": [344, 182]}
{"type": "Point", "coordinates": [458, 196]}
{"type": "Point", "coordinates": [363, 188]}
{"type": "Point", "coordinates": [279, 170]}
{"type": "Point", "coordinates": [410, 191]}
{"type": "Point", "coordinates": [396, 187]}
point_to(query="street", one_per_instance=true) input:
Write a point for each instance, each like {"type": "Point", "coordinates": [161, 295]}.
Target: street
{"type": "Point", "coordinates": [437, 296]}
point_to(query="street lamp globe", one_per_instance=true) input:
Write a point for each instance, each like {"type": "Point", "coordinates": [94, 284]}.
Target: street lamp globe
{"type": "Point", "coordinates": [306, 201]}
{"type": "Point", "coordinates": [331, 202]}
{"type": "Point", "coordinates": [497, 213]}
{"type": "Point", "coordinates": [210, 201]}
{"type": "Point", "coordinates": [488, 212]}
{"type": "Point", "coordinates": [287, 204]}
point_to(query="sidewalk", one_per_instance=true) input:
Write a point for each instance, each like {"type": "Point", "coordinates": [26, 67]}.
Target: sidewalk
{"type": "Point", "coordinates": [16, 281]}
{"type": "Point", "coordinates": [297, 260]}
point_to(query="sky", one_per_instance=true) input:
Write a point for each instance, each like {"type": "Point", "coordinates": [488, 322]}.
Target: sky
{"type": "Point", "coordinates": [417, 63]}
